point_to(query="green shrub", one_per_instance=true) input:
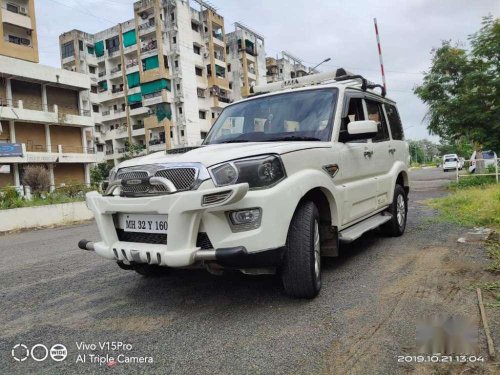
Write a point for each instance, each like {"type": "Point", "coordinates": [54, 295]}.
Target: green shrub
{"type": "Point", "coordinates": [10, 198]}
{"type": "Point", "coordinates": [473, 181]}
{"type": "Point", "coordinates": [73, 190]}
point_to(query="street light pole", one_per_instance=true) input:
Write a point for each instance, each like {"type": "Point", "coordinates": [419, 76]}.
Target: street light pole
{"type": "Point", "coordinates": [324, 61]}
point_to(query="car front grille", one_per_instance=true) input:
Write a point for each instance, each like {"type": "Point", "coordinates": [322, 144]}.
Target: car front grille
{"type": "Point", "coordinates": [202, 240]}
{"type": "Point", "coordinates": [183, 178]}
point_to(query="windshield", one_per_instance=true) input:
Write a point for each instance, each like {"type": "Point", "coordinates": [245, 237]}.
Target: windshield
{"type": "Point", "coordinates": [450, 160]}
{"type": "Point", "coordinates": [295, 116]}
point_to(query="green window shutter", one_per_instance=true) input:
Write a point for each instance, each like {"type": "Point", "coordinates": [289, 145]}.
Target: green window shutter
{"type": "Point", "coordinates": [129, 38]}
{"type": "Point", "coordinates": [150, 63]}
{"type": "Point", "coordinates": [134, 98]}
{"type": "Point", "coordinates": [155, 86]}
{"type": "Point", "coordinates": [90, 50]}
{"type": "Point", "coordinates": [133, 80]}
{"type": "Point", "coordinates": [163, 111]}
{"type": "Point", "coordinates": [103, 85]}
{"type": "Point", "coordinates": [99, 48]}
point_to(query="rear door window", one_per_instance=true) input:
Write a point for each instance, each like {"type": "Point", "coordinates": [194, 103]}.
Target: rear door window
{"type": "Point", "coordinates": [375, 113]}
{"type": "Point", "coordinates": [394, 122]}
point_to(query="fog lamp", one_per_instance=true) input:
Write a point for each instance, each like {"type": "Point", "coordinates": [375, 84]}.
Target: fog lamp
{"type": "Point", "coordinates": [245, 219]}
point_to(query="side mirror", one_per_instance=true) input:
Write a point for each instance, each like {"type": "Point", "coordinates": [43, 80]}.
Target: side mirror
{"type": "Point", "coordinates": [365, 129]}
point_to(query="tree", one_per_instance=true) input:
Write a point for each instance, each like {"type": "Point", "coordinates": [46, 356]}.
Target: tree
{"type": "Point", "coordinates": [99, 173]}
{"type": "Point", "coordinates": [462, 89]}
{"type": "Point", "coordinates": [37, 178]}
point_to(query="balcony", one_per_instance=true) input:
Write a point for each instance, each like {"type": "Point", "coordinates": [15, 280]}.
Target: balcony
{"type": "Point", "coordinates": [147, 27]}
{"type": "Point", "coordinates": [113, 51]}
{"type": "Point", "coordinates": [44, 115]}
{"type": "Point", "coordinates": [53, 154]}
{"type": "Point", "coordinates": [16, 18]}
{"type": "Point", "coordinates": [149, 47]}
{"type": "Point", "coordinates": [156, 145]}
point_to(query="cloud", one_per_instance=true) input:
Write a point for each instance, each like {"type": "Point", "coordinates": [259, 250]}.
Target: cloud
{"type": "Point", "coordinates": [313, 30]}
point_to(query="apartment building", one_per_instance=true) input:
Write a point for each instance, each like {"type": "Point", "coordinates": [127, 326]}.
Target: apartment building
{"type": "Point", "coordinates": [246, 60]}
{"type": "Point", "coordinates": [158, 80]}
{"type": "Point", "coordinates": [18, 37]}
{"type": "Point", "coordinates": [45, 114]}
{"type": "Point", "coordinates": [286, 67]}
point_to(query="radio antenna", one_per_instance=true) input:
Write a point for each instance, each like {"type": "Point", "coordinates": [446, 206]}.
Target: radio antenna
{"type": "Point", "coordinates": [380, 54]}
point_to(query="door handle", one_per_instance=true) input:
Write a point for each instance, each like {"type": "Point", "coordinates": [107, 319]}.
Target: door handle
{"type": "Point", "coordinates": [368, 154]}
{"type": "Point", "coordinates": [392, 150]}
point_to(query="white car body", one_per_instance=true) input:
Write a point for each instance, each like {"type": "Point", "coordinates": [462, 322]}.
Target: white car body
{"type": "Point", "coordinates": [351, 196]}
{"type": "Point", "coordinates": [451, 162]}
{"type": "Point", "coordinates": [489, 158]}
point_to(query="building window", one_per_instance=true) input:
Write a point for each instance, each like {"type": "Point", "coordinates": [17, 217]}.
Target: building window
{"type": "Point", "coordinates": [95, 108]}
{"type": "Point", "coordinates": [200, 92]}
{"type": "Point", "coordinates": [195, 27]}
{"type": "Point", "coordinates": [178, 86]}
{"type": "Point", "coordinates": [92, 69]}
{"type": "Point", "coordinates": [228, 68]}
{"type": "Point", "coordinates": [176, 63]}
{"type": "Point", "coordinates": [230, 85]}
{"type": "Point", "coordinates": [213, 114]}
{"type": "Point", "coordinates": [199, 71]}
{"type": "Point", "coordinates": [80, 45]}
{"type": "Point", "coordinates": [174, 39]}
{"type": "Point", "coordinates": [202, 115]}
{"type": "Point", "coordinates": [12, 8]}
{"type": "Point", "coordinates": [203, 135]}
{"type": "Point", "coordinates": [180, 110]}
{"type": "Point", "coordinates": [196, 49]}
{"type": "Point", "coordinates": [172, 16]}
{"type": "Point", "coordinates": [182, 133]}
{"type": "Point", "coordinates": [67, 49]}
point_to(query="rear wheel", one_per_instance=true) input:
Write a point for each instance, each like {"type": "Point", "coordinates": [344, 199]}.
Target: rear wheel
{"type": "Point", "coordinates": [301, 269]}
{"type": "Point", "coordinates": [398, 209]}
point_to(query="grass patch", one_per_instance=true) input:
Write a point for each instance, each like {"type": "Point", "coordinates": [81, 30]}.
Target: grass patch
{"type": "Point", "coordinates": [473, 206]}
{"type": "Point", "coordinates": [10, 198]}
{"type": "Point", "coordinates": [472, 181]}
{"type": "Point", "coordinates": [493, 247]}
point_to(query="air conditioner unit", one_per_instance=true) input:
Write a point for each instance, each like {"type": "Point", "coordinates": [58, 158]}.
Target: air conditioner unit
{"type": "Point", "coordinates": [205, 55]}
{"type": "Point", "coordinates": [23, 10]}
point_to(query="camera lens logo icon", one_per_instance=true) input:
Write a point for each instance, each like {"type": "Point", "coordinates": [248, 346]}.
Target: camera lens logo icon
{"type": "Point", "coordinates": [20, 352]}
{"type": "Point", "coordinates": [58, 352]}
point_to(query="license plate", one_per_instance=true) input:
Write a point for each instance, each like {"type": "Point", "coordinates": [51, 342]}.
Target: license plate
{"type": "Point", "coordinates": [143, 223]}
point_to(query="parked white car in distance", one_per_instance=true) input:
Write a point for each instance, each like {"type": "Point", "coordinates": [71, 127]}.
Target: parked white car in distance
{"type": "Point", "coordinates": [489, 158]}
{"type": "Point", "coordinates": [281, 178]}
{"type": "Point", "coordinates": [450, 162]}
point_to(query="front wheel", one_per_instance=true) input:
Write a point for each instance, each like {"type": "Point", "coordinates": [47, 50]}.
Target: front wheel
{"type": "Point", "coordinates": [301, 269]}
{"type": "Point", "coordinates": [398, 209]}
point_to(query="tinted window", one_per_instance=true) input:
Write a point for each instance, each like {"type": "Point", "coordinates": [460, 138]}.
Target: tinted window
{"type": "Point", "coordinates": [376, 114]}
{"type": "Point", "coordinates": [394, 122]}
{"type": "Point", "coordinates": [488, 155]}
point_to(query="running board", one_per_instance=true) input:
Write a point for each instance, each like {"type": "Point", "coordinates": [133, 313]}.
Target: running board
{"type": "Point", "coordinates": [357, 230]}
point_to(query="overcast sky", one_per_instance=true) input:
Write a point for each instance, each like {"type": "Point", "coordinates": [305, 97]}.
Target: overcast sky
{"type": "Point", "coordinates": [313, 30]}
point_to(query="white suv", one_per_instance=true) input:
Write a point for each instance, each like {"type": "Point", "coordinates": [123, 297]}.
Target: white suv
{"type": "Point", "coordinates": [280, 180]}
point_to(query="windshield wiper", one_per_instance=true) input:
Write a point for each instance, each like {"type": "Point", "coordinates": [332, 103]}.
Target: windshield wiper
{"type": "Point", "coordinates": [292, 138]}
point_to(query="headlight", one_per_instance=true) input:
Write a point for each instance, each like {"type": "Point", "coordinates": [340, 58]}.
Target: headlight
{"type": "Point", "coordinates": [259, 172]}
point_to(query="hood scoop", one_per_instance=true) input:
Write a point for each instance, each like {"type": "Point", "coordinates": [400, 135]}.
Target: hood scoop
{"type": "Point", "coordinates": [181, 150]}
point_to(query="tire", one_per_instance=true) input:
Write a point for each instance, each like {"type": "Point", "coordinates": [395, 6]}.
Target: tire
{"type": "Point", "coordinates": [148, 270]}
{"type": "Point", "coordinates": [399, 210]}
{"type": "Point", "coordinates": [301, 268]}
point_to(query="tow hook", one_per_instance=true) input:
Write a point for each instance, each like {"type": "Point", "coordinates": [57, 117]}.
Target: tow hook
{"type": "Point", "coordinates": [86, 245]}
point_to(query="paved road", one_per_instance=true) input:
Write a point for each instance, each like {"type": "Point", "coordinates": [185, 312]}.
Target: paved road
{"type": "Point", "coordinates": [192, 322]}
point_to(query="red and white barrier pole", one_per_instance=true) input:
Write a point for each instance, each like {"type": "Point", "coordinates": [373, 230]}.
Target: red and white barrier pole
{"type": "Point", "coordinates": [380, 54]}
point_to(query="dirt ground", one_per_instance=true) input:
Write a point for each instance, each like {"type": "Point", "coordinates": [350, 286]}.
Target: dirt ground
{"type": "Point", "coordinates": [366, 316]}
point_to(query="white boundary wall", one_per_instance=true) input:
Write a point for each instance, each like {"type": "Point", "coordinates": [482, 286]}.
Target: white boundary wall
{"type": "Point", "coordinates": [42, 216]}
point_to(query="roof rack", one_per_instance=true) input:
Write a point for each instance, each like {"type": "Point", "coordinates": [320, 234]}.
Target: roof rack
{"type": "Point", "coordinates": [340, 75]}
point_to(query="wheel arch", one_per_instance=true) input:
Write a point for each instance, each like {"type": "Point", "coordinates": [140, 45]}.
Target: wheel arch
{"type": "Point", "coordinates": [325, 203]}
{"type": "Point", "coordinates": [403, 180]}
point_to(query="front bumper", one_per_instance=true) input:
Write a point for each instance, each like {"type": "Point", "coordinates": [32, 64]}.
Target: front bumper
{"type": "Point", "coordinates": [187, 217]}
